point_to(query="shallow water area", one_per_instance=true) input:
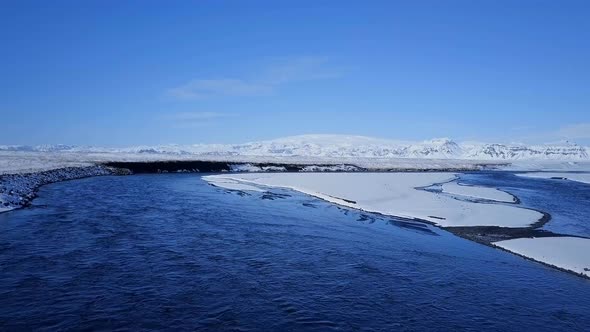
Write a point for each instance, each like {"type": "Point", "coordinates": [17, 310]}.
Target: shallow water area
{"type": "Point", "coordinates": [172, 252]}
{"type": "Point", "coordinates": [568, 202]}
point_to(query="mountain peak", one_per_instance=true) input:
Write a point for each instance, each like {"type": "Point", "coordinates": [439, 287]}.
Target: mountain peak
{"type": "Point", "coordinates": [441, 141]}
{"type": "Point", "coordinates": [330, 146]}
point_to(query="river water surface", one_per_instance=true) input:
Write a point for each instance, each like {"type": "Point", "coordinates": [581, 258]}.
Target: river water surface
{"type": "Point", "coordinates": [172, 252]}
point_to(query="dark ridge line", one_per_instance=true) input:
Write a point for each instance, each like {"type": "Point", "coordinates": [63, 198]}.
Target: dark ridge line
{"type": "Point", "coordinates": [201, 166]}
{"type": "Point", "coordinates": [140, 167]}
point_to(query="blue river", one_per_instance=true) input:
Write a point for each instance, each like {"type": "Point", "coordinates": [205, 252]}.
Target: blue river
{"type": "Point", "coordinates": [170, 252]}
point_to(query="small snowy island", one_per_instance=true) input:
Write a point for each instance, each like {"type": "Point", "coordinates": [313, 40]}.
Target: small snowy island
{"type": "Point", "coordinates": [484, 193]}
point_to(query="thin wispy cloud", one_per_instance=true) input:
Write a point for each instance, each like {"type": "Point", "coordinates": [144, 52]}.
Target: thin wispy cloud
{"type": "Point", "coordinates": [197, 118]}
{"type": "Point", "coordinates": [308, 68]}
{"type": "Point", "coordinates": [202, 88]}
{"type": "Point", "coordinates": [268, 80]}
{"type": "Point", "coordinates": [200, 116]}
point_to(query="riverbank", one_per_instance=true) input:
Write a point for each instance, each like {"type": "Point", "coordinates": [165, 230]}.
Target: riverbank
{"type": "Point", "coordinates": [17, 190]}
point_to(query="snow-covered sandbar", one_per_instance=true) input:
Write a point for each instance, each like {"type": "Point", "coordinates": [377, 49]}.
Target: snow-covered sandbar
{"type": "Point", "coordinates": [578, 177]}
{"type": "Point", "coordinates": [231, 184]}
{"type": "Point", "coordinates": [568, 253]}
{"type": "Point", "coordinates": [394, 194]}
{"type": "Point", "coordinates": [491, 194]}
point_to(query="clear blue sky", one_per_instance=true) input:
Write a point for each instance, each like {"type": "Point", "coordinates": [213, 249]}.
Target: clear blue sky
{"type": "Point", "coordinates": [150, 72]}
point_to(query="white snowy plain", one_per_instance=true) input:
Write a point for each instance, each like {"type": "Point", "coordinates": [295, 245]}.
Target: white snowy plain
{"type": "Point", "coordinates": [578, 177]}
{"type": "Point", "coordinates": [569, 253]}
{"type": "Point", "coordinates": [491, 194]}
{"type": "Point", "coordinates": [393, 194]}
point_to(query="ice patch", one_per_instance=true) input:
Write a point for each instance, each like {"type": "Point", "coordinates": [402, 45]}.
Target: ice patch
{"type": "Point", "coordinates": [230, 184]}
{"type": "Point", "coordinates": [491, 194]}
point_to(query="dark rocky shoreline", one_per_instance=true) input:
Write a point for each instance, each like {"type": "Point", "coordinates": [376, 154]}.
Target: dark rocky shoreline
{"type": "Point", "coordinates": [200, 166]}
{"type": "Point", "coordinates": [18, 190]}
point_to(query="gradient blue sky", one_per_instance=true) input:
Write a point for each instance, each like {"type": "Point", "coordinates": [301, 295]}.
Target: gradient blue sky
{"type": "Point", "coordinates": [150, 72]}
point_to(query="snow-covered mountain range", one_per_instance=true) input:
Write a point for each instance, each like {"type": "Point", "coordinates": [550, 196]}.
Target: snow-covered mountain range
{"type": "Point", "coordinates": [342, 146]}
